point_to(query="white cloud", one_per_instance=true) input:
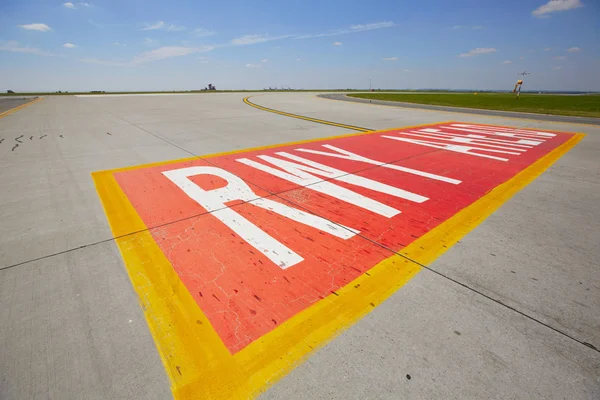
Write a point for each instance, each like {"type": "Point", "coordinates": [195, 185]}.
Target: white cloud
{"type": "Point", "coordinates": [560, 58]}
{"type": "Point", "coordinates": [151, 27]}
{"type": "Point", "coordinates": [160, 25]}
{"type": "Point", "coordinates": [14, 47]}
{"type": "Point", "coordinates": [74, 7]}
{"type": "Point", "coordinates": [557, 67]}
{"type": "Point", "coordinates": [69, 45]}
{"type": "Point", "coordinates": [352, 29]}
{"type": "Point", "coordinates": [253, 65]}
{"type": "Point", "coordinates": [250, 39]}
{"type": "Point", "coordinates": [556, 6]}
{"type": "Point", "coordinates": [369, 27]}
{"type": "Point", "coordinates": [201, 32]}
{"type": "Point", "coordinates": [547, 49]}
{"type": "Point", "coordinates": [337, 43]}
{"type": "Point", "coordinates": [104, 62]}
{"type": "Point", "coordinates": [467, 27]}
{"type": "Point", "coordinates": [174, 28]}
{"type": "Point", "coordinates": [264, 60]}
{"type": "Point", "coordinates": [389, 58]}
{"type": "Point", "coordinates": [119, 44]}
{"type": "Point", "coordinates": [254, 39]}
{"type": "Point", "coordinates": [507, 62]}
{"type": "Point", "coordinates": [36, 27]}
{"type": "Point", "coordinates": [477, 51]}
{"type": "Point", "coordinates": [161, 53]}
{"type": "Point", "coordinates": [406, 70]}
{"type": "Point", "coordinates": [574, 50]}
{"type": "Point", "coordinates": [165, 52]}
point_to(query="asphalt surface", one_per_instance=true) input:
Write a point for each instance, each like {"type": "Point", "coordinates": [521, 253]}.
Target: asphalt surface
{"type": "Point", "coordinates": [8, 103]}
{"type": "Point", "coordinates": [515, 314]}
{"type": "Point", "coordinates": [463, 110]}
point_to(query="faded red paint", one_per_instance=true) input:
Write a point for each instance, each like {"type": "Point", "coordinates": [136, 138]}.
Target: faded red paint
{"type": "Point", "coordinates": [242, 292]}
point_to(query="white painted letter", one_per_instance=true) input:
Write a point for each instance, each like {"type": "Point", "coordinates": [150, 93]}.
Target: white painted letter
{"type": "Point", "coordinates": [452, 147]}
{"type": "Point", "coordinates": [236, 189]}
{"type": "Point", "coordinates": [431, 133]}
{"type": "Point", "coordinates": [510, 132]}
{"type": "Point", "coordinates": [346, 155]}
{"type": "Point", "coordinates": [299, 174]}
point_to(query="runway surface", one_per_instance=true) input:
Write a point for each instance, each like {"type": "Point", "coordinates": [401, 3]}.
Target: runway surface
{"type": "Point", "coordinates": [9, 103]}
{"type": "Point", "coordinates": [123, 282]}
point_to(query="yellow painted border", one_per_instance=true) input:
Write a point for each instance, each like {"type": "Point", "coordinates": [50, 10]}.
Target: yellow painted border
{"type": "Point", "coordinates": [198, 364]}
{"type": "Point", "coordinates": [271, 146]}
{"type": "Point", "coordinates": [12, 110]}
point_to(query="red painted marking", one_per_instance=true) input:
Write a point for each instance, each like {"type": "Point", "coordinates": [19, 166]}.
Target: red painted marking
{"type": "Point", "coordinates": [241, 291]}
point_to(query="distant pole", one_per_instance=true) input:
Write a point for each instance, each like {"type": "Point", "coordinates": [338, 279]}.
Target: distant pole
{"type": "Point", "coordinates": [370, 84]}
{"type": "Point", "coordinates": [520, 83]}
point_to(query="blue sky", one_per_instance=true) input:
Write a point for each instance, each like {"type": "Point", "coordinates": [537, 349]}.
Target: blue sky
{"type": "Point", "coordinates": [175, 45]}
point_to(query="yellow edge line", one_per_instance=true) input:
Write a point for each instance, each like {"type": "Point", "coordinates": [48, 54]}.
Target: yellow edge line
{"type": "Point", "coordinates": [123, 228]}
{"type": "Point", "coordinates": [12, 110]}
{"type": "Point", "coordinates": [320, 121]}
{"type": "Point", "coordinates": [270, 146]}
{"type": "Point", "coordinates": [468, 218]}
{"type": "Point", "coordinates": [198, 364]}
{"type": "Point", "coordinates": [169, 309]}
{"type": "Point", "coordinates": [317, 325]}
{"type": "Point", "coordinates": [459, 112]}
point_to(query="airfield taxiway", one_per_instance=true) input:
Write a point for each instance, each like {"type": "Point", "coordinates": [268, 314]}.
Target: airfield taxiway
{"type": "Point", "coordinates": [509, 311]}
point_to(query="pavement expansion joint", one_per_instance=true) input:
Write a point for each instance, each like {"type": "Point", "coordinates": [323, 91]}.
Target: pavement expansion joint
{"type": "Point", "coordinates": [299, 205]}
{"type": "Point", "coordinates": [589, 345]}
{"type": "Point", "coordinates": [246, 262]}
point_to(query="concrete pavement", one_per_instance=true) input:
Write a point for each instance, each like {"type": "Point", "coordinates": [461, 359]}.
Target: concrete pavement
{"type": "Point", "coordinates": [9, 103]}
{"type": "Point", "coordinates": [509, 316]}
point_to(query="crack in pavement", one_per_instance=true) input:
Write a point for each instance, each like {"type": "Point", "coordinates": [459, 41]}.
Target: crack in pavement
{"type": "Point", "coordinates": [278, 194]}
